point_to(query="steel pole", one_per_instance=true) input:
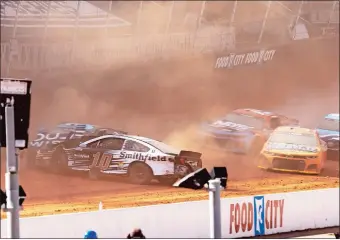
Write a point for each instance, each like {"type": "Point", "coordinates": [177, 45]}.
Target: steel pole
{"type": "Point", "coordinates": [42, 44]}
{"type": "Point", "coordinates": [199, 22]}
{"type": "Point", "coordinates": [75, 33]}
{"type": "Point", "coordinates": [331, 15]}
{"type": "Point", "coordinates": [14, 33]}
{"type": "Point", "coordinates": [11, 176]}
{"type": "Point", "coordinates": [215, 208]}
{"type": "Point", "coordinates": [297, 19]}
{"type": "Point", "coordinates": [232, 17]}
{"type": "Point", "coordinates": [264, 21]}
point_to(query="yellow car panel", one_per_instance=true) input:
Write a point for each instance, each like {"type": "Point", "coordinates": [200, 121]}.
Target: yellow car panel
{"type": "Point", "coordinates": [293, 149]}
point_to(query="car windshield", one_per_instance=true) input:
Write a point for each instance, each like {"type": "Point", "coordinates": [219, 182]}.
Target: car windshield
{"type": "Point", "coordinates": [329, 124]}
{"type": "Point", "coordinates": [250, 121]}
{"type": "Point", "coordinates": [294, 138]}
{"type": "Point", "coordinates": [161, 146]}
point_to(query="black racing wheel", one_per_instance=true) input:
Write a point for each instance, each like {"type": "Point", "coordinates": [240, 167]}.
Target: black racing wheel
{"type": "Point", "coordinates": [140, 173]}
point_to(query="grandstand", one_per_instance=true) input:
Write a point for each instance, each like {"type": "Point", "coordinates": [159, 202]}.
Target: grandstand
{"type": "Point", "coordinates": [127, 28]}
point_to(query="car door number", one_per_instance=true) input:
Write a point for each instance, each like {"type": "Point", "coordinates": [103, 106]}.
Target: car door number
{"type": "Point", "coordinates": [101, 161]}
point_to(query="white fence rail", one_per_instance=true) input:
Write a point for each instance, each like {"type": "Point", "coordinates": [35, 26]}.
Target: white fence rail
{"type": "Point", "coordinates": [241, 217]}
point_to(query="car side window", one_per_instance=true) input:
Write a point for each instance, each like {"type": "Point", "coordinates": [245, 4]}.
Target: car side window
{"type": "Point", "coordinates": [135, 146]}
{"type": "Point", "coordinates": [111, 143]}
{"type": "Point", "coordinates": [93, 144]}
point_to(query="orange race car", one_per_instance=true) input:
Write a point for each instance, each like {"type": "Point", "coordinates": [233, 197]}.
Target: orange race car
{"type": "Point", "coordinates": [294, 149]}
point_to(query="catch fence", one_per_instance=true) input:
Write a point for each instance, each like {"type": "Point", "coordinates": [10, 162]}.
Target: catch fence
{"type": "Point", "coordinates": [52, 35]}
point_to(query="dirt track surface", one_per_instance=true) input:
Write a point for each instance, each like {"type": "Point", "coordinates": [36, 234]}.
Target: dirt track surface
{"type": "Point", "coordinates": [165, 100]}
{"type": "Point", "coordinates": [54, 194]}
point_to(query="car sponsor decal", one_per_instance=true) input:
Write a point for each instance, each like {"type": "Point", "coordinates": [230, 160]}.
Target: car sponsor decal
{"type": "Point", "coordinates": [81, 156]}
{"type": "Point", "coordinates": [53, 138]}
{"type": "Point", "coordinates": [291, 147]}
{"type": "Point", "coordinates": [231, 125]}
{"type": "Point", "coordinates": [145, 157]}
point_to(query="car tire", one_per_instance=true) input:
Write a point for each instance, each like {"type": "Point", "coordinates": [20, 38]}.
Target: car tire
{"type": "Point", "coordinates": [59, 161]}
{"type": "Point", "coordinates": [140, 173]}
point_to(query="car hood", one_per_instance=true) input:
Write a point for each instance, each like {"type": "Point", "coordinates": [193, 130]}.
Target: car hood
{"type": "Point", "coordinates": [220, 127]}
{"type": "Point", "coordinates": [290, 148]}
{"type": "Point", "coordinates": [327, 135]}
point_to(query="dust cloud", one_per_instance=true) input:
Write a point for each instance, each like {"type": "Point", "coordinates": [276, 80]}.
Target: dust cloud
{"type": "Point", "coordinates": [167, 99]}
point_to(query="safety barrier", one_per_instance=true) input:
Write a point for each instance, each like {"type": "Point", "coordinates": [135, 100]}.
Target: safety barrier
{"type": "Point", "coordinates": [241, 217]}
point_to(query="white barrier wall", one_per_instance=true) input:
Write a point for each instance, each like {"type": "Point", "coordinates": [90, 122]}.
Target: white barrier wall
{"type": "Point", "coordinates": [241, 217]}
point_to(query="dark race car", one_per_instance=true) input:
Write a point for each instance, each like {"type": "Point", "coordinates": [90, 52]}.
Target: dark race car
{"type": "Point", "coordinates": [49, 143]}
{"type": "Point", "coordinates": [244, 130]}
{"type": "Point", "coordinates": [328, 130]}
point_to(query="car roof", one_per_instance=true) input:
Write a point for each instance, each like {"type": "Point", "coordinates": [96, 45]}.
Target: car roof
{"type": "Point", "coordinates": [128, 137]}
{"type": "Point", "coordinates": [295, 129]}
{"type": "Point", "coordinates": [74, 125]}
{"type": "Point", "coordinates": [255, 112]}
{"type": "Point", "coordinates": [332, 116]}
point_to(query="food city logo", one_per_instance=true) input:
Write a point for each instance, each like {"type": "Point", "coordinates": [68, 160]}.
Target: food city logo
{"type": "Point", "coordinates": [233, 59]}
{"type": "Point", "coordinates": [257, 216]}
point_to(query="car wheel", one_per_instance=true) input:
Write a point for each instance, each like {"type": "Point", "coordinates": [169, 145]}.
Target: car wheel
{"type": "Point", "coordinates": [59, 161]}
{"type": "Point", "coordinates": [140, 173]}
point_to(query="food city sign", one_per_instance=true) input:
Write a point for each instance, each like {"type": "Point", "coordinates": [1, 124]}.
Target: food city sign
{"type": "Point", "coordinates": [256, 217]}
{"type": "Point", "coordinates": [233, 60]}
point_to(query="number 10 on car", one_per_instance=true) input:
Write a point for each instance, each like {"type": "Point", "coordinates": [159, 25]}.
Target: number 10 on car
{"type": "Point", "coordinates": [102, 162]}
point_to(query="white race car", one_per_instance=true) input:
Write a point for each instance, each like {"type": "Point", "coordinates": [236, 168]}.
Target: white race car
{"type": "Point", "coordinates": [141, 159]}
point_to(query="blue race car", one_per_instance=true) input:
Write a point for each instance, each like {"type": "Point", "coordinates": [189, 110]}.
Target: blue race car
{"type": "Point", "coordinates": [244, 130]}
{"type": "Point", "coordinates": [328, 130]}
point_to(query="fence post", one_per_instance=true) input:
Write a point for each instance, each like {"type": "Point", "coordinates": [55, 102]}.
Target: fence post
{"type": "Point", "coordinates": [215, 208]}
{"type": "Point", "coordinates": [264, 21]}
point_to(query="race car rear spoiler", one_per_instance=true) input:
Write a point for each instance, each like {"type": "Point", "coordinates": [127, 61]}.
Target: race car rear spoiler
{"type": "Point", "coordinates": [190, 154]}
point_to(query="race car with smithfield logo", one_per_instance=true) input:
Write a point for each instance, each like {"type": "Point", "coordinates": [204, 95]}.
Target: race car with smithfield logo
{"type": "Point", "coordinates": [294, 149]}
{"type": "Point", "coordinates": [244, 130]}
{"type": "Point", "coordinates": [139, 158]}
{"type": "Point", "coordinates": [328, 130]}
{"type": "Point", "coordinates": [65, 134]}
